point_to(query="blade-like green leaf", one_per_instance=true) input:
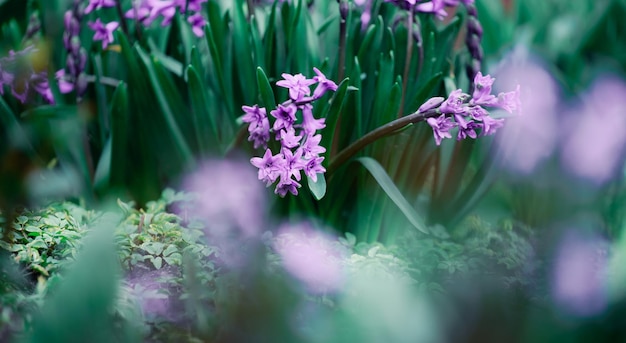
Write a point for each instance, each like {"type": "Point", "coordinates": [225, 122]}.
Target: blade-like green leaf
{"type": "Point", "coordinates": [206, 128]}
{"type": "Point", "coordinates": [385, 182]}
{"type": "Point", "coordinates": [119, 135]}
{"type": "Point", "coordinates": [318, 189]}
{"type": "Point", "coordinates": [267, 95]}
{"type": "Point", "coordinates": [158, 84]}
{"type": "Point", "coordinates": [336, 103]}
{"type": "Point", "coordinates": [102, 176]}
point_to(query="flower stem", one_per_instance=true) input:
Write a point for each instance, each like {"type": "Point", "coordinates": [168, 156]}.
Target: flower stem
{"type": "Point", "coordinates": [407, 60]}
{"type": "Point", "coordinates": [120, 13]}
{"type": "Point", "coordinates": [380, 132]}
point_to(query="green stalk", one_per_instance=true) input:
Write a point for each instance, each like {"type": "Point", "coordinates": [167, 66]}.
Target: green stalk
{"type": "Point", "coordinates": [378, 133]}
{"type": "Point", "coordinates": [120, 13]}
{"type": "Point", "coordinates": [407, 60]}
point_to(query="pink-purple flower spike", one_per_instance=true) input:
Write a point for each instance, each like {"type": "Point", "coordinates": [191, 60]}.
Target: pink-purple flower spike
{"type": "Point", "coordinates": [299, 144]}
{"type": "Point", "coordinates": [466, 113]}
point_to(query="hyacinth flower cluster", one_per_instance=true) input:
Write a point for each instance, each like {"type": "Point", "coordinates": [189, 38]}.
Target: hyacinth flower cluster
{"type": "Point", "coordinates": [299, 142]}
{"type": "Point", "coordinates": [468, 113]}
{"type": "Point", "coordinates": [17, 72]}
{"type": "Point", "coordinates": [147, 11]}
{"type": "Point", "coordinates": [73, 77]}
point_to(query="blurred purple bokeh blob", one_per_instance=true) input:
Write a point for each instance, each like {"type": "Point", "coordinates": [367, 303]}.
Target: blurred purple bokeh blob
{"type": "Point", "coordinates": [228, 197]}
{"type": "Point", "coordinates": [579, 284]}
{"type": "Point", "coordinates": [595, 132]}
{"type": "Point", "coordinates": [531, 137]}
{"type": "Point", "coordinates": [311, 256]}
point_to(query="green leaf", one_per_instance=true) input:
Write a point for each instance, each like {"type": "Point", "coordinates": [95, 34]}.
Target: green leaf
{"type": "Point", "coordinates": [171, 64]}
{"type": "Point", "coordinates": [157, 262]}
{"type": "Point", "coordinates": [427, 90]}
{"type": "Point", "coordinates": [385, 182]}
{"type": "Point", "coordinates": [213, 32]}
{"type": "Point", "coordinates": [206, 127]}
{"type": "Point", "coordinates": [336, 104]}
{"type": "Point", "coordinates": [103, 169]}
{"type": "Point", "coordinates": [169, 250]}
{"type": "Point", "coordinates": [164, 91]}
{"type": "Point", "coordinates": [267, 94]}
{"type": "Point", "coordinates": [37, 243]}
{"type": "Point", "coordinates": [318, 189]}
{"type": "Point", "coordinates": [243, 58]}
{"type": "Point", "coordinates": [119, 136]}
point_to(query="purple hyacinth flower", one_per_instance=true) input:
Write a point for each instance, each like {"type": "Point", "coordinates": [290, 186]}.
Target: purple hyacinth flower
{"type": "Point", "coordinates": [491, 125]}
{"type": "Point", "coordinates": [482, 90]}
{"type": "Point", "coordinates": [288, 138]}
{"type": "Point", "coordinates": [323, 84]}
{"type": "Point", "coordinates": [293, 164]}
{"type": "Point", "coordinates": [65, 86]}
{"type": "Point", "coordinates": [309, 123]}
{"type": "Point", "coordinates": [298, 85]}
{"type": "Point", "coordinates": [311, 147]}
{"type": "Point", "coordinates": [98, 4]}
{"type": "Point", "coordinates": [254, 116]}
{"type": "Point", "coordinates": [260, 135]}
{"type": "Point", "coordinates": [314, 167]}
{"type": "Point", "coordinates": [509, 101]}
{"type": "Point", "coordinates": [197, 23]}
{"type": "Point", "coordinates": [39, 82]}
{"type": "Point", "coordinates": [466, 128]}
{"type": "Point", "coordinates": [104, 32]}
{"type": "Point", "coordinates": [455, 103]}
{"type": "Point", "coordinates": [287, 186]}
{"type": "Point", "coordinates": [269, 166]}
{"type": "Point", "coordinates": [477, 113]}
{"type": "Point", "coordinates": [441, 127]}
{"type": "Point", "coordinates": [285, 116]}
{"type": "Point", "coordinates": [140, 12]}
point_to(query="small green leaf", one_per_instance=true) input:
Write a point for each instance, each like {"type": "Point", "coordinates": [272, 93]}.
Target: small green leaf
{"type": "Point", "coordinates": [385, 182]}
{"type": "Point", "coordinates": [169, 250]}
{"type": "Point", "coordinates": [267, 94]}
{"type": "Point", "coordinates": [157, 262]}
{"type": "Point", "coordinates": [318, 189]}
{"type": "Point", "coordinates": [32, 229]}
{"type": "Point", "coordinates": [37, 243]}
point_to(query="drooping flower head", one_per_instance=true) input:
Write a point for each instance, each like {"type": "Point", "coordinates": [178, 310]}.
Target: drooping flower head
{"type": "Point", "coordinates": [467, 113]}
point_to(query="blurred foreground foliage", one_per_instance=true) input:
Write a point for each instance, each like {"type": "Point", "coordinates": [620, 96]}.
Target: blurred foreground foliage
{"type": "Point", "coordinates": [168, 282]}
